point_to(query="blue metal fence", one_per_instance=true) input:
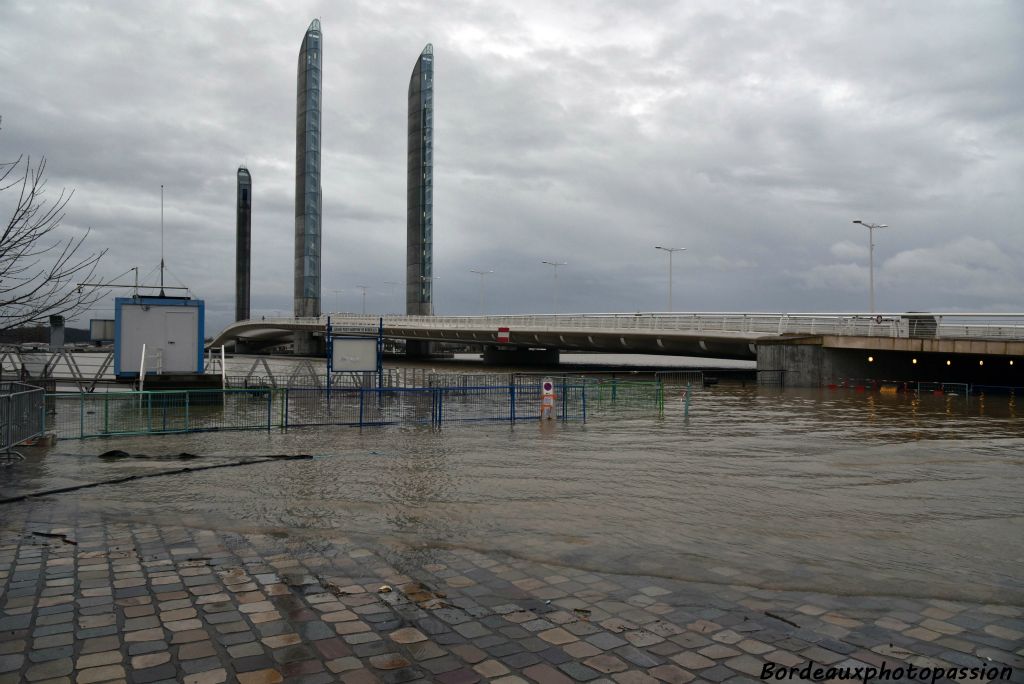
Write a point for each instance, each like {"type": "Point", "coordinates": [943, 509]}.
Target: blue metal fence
{"type": "Point", "coordinates": [81, 415]}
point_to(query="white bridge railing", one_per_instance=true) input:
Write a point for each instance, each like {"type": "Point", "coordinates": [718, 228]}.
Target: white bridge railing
{"type": "Point", "coordinates": [986, 326]}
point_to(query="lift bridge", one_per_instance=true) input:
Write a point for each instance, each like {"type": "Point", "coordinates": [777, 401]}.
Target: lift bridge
{"type": "Point", "coordinates": [717, 335]}
{"type": "Point", "coordinates": [807, 349]}
{"type": "Point", "coordinates": [801, 349]}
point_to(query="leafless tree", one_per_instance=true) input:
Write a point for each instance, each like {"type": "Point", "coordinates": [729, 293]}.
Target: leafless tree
{"type": "Point", "coordinates": [39, 269]}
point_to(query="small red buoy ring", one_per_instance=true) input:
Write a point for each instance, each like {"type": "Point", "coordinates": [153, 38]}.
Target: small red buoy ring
{"type": "Point", "coordinates": [878, 318]}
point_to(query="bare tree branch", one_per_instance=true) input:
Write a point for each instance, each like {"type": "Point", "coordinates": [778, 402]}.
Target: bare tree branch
{"type": "Point", "coordinates": [39, 270]}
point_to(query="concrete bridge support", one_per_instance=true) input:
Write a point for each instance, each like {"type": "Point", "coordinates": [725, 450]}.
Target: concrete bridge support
{"type": "Point", "coordinates": [243, 347]}
{"type": "Point", "coordinates": [807, 364]}
{"type": "Point", "coordinates": [520, 356]}
{"type": "Point", "coordinates": [818, 362]}
{"type": "Point", "coordinates": [308, 344]}
{"type": "Point", "coordinates": [418, 349]}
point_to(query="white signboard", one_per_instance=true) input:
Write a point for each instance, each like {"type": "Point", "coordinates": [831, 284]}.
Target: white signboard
{"type": "Point", "coordinates": [353, 354]}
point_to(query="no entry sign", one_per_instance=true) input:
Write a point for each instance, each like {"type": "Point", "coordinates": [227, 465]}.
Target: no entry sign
{"type": "Point", "coordinates": [502, 335]}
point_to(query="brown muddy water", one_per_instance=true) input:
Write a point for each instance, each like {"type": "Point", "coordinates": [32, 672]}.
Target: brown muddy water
{"type": "Point", "coordinates": [808, 490]}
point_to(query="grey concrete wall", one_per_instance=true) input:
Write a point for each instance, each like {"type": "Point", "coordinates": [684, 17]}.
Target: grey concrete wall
{"type": "Point", "coordinates": [809, 365]}
{"type": "Point", "coordinates": [306, 344]}
{"type": "Point", "coordinates": [800, 364]}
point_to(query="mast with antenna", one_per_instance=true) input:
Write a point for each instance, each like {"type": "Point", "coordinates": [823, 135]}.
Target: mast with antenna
{"type": "Point", "coordinates": [161, 239]}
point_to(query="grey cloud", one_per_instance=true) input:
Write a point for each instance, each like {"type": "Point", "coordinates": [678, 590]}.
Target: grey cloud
{"type": "Point", "coordinates": [979, 270]}
{"type": "Point", "coordinates": [849, 250]}
{"type": "Point", "coordinates": [751, 134]}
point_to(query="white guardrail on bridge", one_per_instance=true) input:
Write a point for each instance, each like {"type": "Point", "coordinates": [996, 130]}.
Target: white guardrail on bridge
{"type": "Point", "coordinates": [991, 326]}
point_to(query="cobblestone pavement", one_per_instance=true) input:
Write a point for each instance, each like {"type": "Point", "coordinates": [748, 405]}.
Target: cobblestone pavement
{"type": "Point", "coordinates": [86, 599]}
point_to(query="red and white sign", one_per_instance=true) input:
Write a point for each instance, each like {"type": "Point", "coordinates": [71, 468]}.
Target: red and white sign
{"type": "Point", "coordinates": [502, 335]}
{"type": "Point", "coordinates": [547, 399]}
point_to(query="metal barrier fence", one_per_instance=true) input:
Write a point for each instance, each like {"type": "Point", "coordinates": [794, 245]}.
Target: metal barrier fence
{"type": "Point", "coordinates": [1011, 390]}
{"type": "Point", "coordinates": [81, 415]}
{"type": "Point", "coordinates": [159, 412]}
{"type": "Point", "coordinates": [21, 417]}
{"type": "Point", "coordinates": [681, 377]}
{"type": "Point", "coordinates": [413, 378]}
{"type": "Point", "coordinates": [904, 386]}
{"type": "Point", "coordinates": [771, 378]}
{"type": "Point", "coordinates": [391, 377]}
{"type": "Point", "coordinates": [950, 388]}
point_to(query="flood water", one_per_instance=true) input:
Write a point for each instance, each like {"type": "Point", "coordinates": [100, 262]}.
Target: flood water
{"type": "Point", "coordinates": [811, 490]}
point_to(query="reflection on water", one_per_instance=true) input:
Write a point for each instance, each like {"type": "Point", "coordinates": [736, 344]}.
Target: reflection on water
{"type": "Point", "coordinates": [814, 490]}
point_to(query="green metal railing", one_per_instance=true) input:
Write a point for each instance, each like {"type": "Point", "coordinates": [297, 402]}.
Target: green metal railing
{"type": "Point", "coordinates": [82, 415]}
{"type": "Point", "coordinates": [625, 395]}
{"type": "Point", "coordinates": [161, 412]}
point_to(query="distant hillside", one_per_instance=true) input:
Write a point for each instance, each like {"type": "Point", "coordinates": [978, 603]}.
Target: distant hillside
{"type": "Point", "coordinates": [40, 333]}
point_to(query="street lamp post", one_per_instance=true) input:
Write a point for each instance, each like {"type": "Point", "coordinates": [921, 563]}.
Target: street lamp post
{"type": "Point", "coordinates": [671, 251]}
{"type": "Point", "coordinates": [554, 289]}
{"type": "Point", "coordinates": [363, 288]}
{"type": "Point", "coordinates": [393, 285]}
{"type": "Point", "coordinates": [481, 274]}
{"type": "Point", "coordinates": [337, 301]}
{"type": "Point", "coordinates": [871, 257]}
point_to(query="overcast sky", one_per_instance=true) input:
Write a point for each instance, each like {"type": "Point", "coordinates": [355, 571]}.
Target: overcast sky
{"type": "Point", "coordinates": [751, 133]}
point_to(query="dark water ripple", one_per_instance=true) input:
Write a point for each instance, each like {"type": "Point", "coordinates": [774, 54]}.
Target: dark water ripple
{"type": "Point", "coordinates": [808, 490]}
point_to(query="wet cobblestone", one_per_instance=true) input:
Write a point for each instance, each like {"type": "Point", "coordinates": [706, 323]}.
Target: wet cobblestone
{"type": "Point", "coordinates": [87, 599]}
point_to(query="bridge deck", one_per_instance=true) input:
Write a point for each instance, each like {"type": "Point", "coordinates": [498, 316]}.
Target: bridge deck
{"type": "Point", "coordinates": [726, 335]}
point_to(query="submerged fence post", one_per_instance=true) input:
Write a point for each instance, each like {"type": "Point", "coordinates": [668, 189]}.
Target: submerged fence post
{"type": "Point", "coordinates": [81, 415]}
{"type": "Point", "coordinates": [512, 401]}
{"type": "Point", "coordinates": [361, 392]}
{"type": "Point", "coordinates": [270, 408]}
{"type": "Point", "coordinates": [661, 398]}
{"type": "Point", "coordinates": [583, 391]}
{"type": "Point", "coordinates": [565, 400]}
{"type": "Point", "coordinates": [686, 406]}
{"type": "Point", "coordinates": [187, 398]}
{"type": "Point", "coordinates": [106, 412]}
{"type": "Point", "coordinates": [42, 413]}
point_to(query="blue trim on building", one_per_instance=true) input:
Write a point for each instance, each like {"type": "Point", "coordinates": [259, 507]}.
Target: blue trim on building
{"type": "Point", "coordinates": [118, 303]}
{"type": "Point", "coordinates": [202, 335]}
